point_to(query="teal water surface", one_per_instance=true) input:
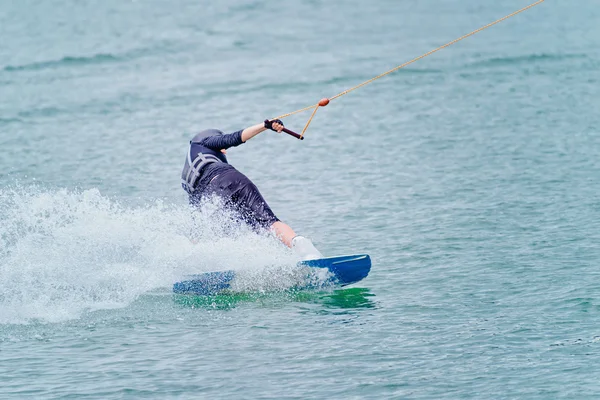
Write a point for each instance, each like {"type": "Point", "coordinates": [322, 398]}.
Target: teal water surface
{"type": "Point", "coordinates": [471, 178]}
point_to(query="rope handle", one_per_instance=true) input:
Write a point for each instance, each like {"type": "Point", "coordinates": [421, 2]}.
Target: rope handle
{"type": "Point", "coordinates": [292, 133]}
{"type": "Point", "coordinates": [286, 130]}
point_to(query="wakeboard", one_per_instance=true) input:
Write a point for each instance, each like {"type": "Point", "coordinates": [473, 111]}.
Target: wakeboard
{"type": "Point", "coordinates": [344, 270]}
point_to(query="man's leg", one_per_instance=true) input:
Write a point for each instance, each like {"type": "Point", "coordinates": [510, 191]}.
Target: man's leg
{"type": "Point", "coordinates": [257, 213]}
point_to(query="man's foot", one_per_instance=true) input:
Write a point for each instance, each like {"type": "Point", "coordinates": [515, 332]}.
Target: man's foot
{"type": "Point", "coordinates": [305, 249]}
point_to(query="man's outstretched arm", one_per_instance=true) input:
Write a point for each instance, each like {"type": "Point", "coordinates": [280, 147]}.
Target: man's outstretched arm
{"type": "Point", "coordinates": [223, 142]}
{"type": "Point", "coordinates": [252, 131]}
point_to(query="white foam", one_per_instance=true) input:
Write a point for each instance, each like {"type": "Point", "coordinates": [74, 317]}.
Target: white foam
{"type": "Point", "coordinates": [65, 252]}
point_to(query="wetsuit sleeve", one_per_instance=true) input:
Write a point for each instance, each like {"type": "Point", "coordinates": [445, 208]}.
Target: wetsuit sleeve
{"type": "Point", "coordinates": [222, 141]}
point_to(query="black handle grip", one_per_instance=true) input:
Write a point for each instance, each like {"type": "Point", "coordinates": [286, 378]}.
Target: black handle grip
{"type": "Point", "coordinates": [292, 133]}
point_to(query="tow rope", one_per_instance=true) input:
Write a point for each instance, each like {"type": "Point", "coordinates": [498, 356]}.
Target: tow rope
{"type": "Point", "coordinates": [325, 101]}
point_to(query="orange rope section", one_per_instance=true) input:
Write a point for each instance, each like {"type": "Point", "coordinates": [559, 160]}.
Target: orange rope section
{"type": "Point", "coordinates": [309, 121]}
{"type": "Point", "coordinates": [325, 101]}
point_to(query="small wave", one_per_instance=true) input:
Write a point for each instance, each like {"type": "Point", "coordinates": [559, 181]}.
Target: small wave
{"type": "Point", "coordinates": [6, 121]}
{"type": "Point", "coordinates": [40, 112]}
{"type": "Point", "coordinates": [526, 59]}
{"type": "Point", "coordinates": [356, 78]}
{"type": "Point", "coordinates": [65, 61]}
{"type": "Point", "coordinates": [338, 80]}
{"type": "Point", "coordinates": [161, 47]}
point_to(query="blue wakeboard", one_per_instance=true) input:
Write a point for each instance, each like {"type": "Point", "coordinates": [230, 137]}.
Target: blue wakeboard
{"type": "Point", "coordinates": [344, 270]}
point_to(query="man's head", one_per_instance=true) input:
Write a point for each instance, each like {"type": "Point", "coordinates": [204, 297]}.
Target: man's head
{"type": "Point", "coordinates": [207, 133]}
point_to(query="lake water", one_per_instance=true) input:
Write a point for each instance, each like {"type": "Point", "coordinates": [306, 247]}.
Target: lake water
{"type": "Point", "coordinates": [471, 178]}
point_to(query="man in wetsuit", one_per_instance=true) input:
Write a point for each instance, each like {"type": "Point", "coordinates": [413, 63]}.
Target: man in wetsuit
{"type": "Point", "coordinates": [206, 172]}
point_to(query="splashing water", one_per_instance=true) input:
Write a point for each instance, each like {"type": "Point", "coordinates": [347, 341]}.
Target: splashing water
{"type": "Point", "coordinates": [63, 252]}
